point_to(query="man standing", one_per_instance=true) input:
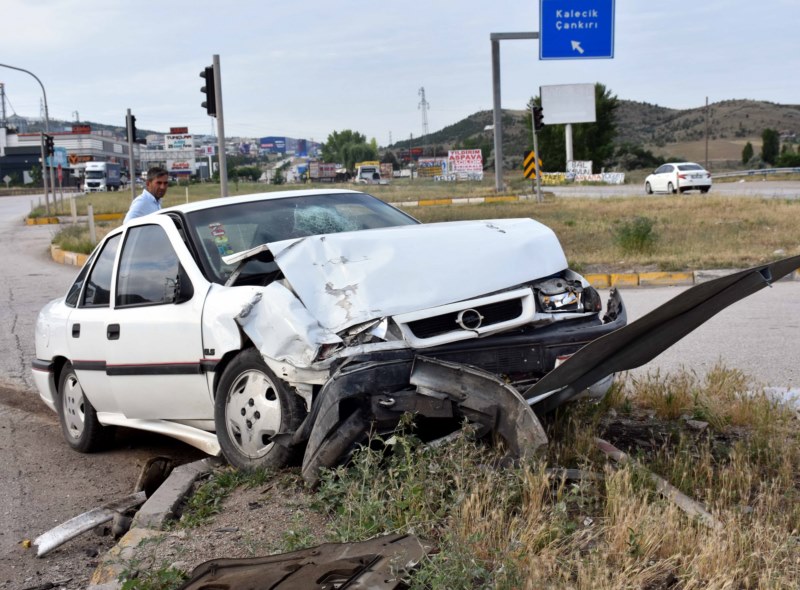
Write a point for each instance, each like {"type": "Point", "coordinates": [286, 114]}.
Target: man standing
{"type": "Point", "coordinates": [150, 199]}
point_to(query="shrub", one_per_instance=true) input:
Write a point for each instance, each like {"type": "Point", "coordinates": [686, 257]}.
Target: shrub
{"type": "Point", "coordinates": [636, 236]}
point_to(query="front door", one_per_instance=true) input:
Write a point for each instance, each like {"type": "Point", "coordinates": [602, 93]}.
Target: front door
{"type": "Point", "coordinates": [155, 344]}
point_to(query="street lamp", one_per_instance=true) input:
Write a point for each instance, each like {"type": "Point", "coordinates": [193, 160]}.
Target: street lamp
{"type": "Point", "coordinates": [46, 129]}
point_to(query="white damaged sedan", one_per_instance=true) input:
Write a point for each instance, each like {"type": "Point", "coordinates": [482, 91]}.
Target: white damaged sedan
{"type": "Point", "coordinates": [284, 325]}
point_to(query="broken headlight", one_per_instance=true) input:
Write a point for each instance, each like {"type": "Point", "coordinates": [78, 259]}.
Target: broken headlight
{"type": "Point", "coordinates": [560, 295]}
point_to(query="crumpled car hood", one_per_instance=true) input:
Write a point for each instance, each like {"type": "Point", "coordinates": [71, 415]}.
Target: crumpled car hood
{"type": "Point", "coordinates": [348, 278]}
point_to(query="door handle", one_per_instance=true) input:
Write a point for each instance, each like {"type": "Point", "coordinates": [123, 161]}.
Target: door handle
{"type": "Point", "coordinates": [112, 332]}
{"type": "Point", "coordinates": [76, 330]}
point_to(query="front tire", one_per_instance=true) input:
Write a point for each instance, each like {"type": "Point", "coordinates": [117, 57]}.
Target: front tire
{"type": "Point", "coordinates": [647, 188]}
{"type": "Point", "coordinates": [250, 407]}
{"type": "Point", "coordinates": [79, 424]}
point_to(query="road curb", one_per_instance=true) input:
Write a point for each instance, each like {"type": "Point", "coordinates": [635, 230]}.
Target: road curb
{"type": "Point", "coordinates": [148, 522]}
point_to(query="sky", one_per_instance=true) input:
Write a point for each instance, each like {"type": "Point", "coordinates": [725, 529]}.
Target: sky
{"type": "Point", "coordinates": [306, 69]}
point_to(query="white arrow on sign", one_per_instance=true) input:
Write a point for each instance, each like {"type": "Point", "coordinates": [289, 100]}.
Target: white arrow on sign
{"type": "Point", "coordinates": [576, 46]}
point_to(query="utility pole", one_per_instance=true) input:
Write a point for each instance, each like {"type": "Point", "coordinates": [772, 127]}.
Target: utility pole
{"type": "Point", "coordinates": [2, 105]}
{"type": "Point", "coordinates": [46, 129]}
{"type": "Point", "coordinates": [706, 133]}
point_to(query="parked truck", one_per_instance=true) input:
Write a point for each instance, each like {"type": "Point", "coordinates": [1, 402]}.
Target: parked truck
{"type": "Point", "coordinates": [369, 173]}
{"type": "Point", "coordinates": [101, 176]}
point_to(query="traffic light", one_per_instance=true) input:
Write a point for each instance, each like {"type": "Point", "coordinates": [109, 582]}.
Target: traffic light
{"type": "Point", "coordinates": [49, 145]}
{"type": "Point", "coordinates": [538, 118]}
{"type": "Point", "coordinates": [131, 128]}
{"type": "Point", "coordinates": [210, 103]}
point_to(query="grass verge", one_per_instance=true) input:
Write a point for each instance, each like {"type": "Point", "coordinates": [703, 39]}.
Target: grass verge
{"type": "Point", "coordinates": [529, 526]}
{"type": "Point", "coordinates": [610, 234]}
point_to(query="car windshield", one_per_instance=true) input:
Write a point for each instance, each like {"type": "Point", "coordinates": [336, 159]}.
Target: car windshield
{"type": "Point", "coordinates": [227, 229]}
{"type": "Point", "coordinates": [685, 167]}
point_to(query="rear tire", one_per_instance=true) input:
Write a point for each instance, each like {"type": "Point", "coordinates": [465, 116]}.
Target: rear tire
{"type": "Point", "coordinates": [79, 424]}
{"type": "Point", "coordinates": [705, 190]}
{"type": "Point", "coordinates": [252, 405]}
{"type": "Point", "coordinates": [670, 189]}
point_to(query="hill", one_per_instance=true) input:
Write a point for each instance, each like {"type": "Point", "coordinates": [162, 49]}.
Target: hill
{"type": "Point", "coordinates": [664, 131]}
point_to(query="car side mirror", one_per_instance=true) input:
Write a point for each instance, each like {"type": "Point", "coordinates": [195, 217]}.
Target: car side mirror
{"type": "Point", "coordinates": [184, 290]}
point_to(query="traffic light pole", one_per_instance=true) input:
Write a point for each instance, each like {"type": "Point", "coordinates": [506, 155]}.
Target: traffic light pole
{"type": "Point", "coordinates": [53, 178]}
{"type": "Point", "coordinates": [223, 164]}
{"type": "Point", "coordinates": [131, 161]}
{"type": "Point", "coordinates": [536, 156]}
{"type": "Point", "coordinates": [44, 176]}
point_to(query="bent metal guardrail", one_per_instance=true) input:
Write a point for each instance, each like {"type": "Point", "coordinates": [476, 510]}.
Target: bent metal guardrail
{"type": "Point", "coordinates": [764, 171]}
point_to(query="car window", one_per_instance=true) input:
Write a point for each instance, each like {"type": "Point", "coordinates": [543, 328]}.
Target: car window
{"type": "Point", "coordinates": [224, 230]}
{"type": "Point", "coordinates": [684, 167]}
{"type": "Point", "coordinates": [98, 286]}
{"type": "Point", "coordinates": [71, 300]}
{"type": "Point", "coordinates": [663, 169]}
{"type": "Point", "coordinates": [148, 268]}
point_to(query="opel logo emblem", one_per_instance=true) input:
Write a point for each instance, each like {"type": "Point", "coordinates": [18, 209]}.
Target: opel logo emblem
{"type": "Point", "coordinates": [469, 319]}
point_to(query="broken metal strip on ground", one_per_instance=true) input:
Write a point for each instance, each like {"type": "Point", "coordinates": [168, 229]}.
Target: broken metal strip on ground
{"type": "Point", "coordinates": [690, 506]}
{"type": "Point", "coordinates": [382, 563]}
{"type": "Point", "coordinates": [70, 529]}
{"type": "Point", "coordinates": [641, 341]}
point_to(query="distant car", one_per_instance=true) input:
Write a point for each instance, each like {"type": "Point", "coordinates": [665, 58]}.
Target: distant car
{"type": "Point", "coordinates": [678, 177]}
{"type": "Point", "coordinates": [268, 325]}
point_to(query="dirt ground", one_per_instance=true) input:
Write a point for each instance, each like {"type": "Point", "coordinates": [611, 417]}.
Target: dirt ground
{"type": "Point", "coordinates": [253, 522]}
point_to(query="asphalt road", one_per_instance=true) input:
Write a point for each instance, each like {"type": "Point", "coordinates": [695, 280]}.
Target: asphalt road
{"type": "Point", "coordinates": [44, 482]}
{"type": "Point", "coordinates": [750, 187]}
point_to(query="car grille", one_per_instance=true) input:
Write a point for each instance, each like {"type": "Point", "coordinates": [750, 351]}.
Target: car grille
{"type": "Point", "coordinates": [493, 313]}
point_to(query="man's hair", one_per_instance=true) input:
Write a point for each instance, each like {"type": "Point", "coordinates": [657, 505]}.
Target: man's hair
{"type": "Point", "coordinates": [155, 172]}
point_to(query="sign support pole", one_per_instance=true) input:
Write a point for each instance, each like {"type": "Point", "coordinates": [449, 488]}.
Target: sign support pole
{"type": "Point", "coordinates": [495, 39]}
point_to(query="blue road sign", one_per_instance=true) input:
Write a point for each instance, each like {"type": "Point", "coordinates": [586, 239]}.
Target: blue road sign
{"type": "Point", "coordinates": [576, 29]}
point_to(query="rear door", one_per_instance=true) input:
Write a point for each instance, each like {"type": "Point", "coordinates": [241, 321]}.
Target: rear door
{"type": "Point", "coordinates": [86, 329]}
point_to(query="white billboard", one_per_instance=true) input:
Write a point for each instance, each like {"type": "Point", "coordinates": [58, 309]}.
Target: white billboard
{"type": "Point", "coordinates": [180, 141]}
{"type": "Point", "coordinates": [568, 103]}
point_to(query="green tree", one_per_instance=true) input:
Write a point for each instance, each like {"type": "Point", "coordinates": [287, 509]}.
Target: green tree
{"type": "Point", "coordinates": [747, 153]}
{"type": "Point", "coordinates": [36, 175]}
{"type": "Point", "coordinates": [251, 173]}
{"type": "Point", "coordinates": [770, 146]}
{"type": "Point", "coordinates": [590, 141]}
{"type": "Point", "coordinates": [348, 147]}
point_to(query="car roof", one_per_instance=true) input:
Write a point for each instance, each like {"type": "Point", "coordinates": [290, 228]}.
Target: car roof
{"type": "Point", "coordinates": [222, 201]}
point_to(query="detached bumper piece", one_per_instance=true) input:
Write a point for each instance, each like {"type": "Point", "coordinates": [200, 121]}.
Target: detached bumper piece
{"type": "Point", "coordinates": [373, 396]}
{"type": "Point", "coordinates": [379, 564]}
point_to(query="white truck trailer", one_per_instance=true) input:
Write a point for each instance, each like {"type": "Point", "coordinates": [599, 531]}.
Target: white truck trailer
{"type": "Point", "coordinates": [101, 176]}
